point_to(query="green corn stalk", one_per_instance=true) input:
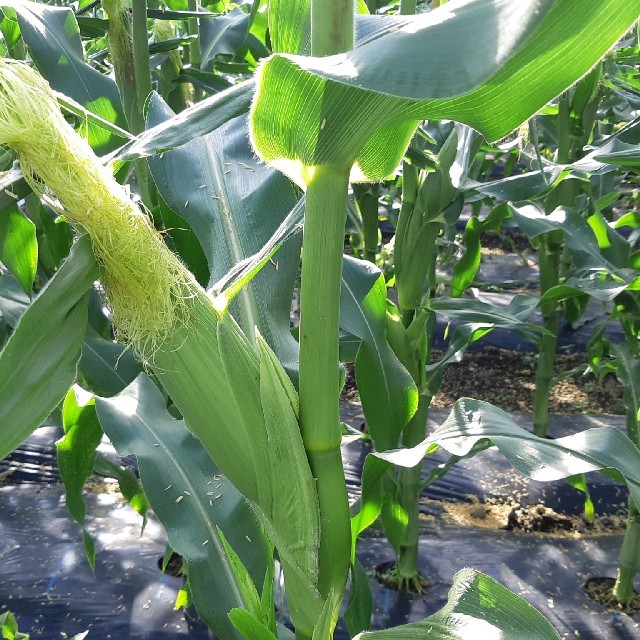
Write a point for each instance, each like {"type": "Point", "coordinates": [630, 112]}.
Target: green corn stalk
{"type": "Point", "coordinates": [628, 372]}
{"type": "Point", "coordinates": [578, 105]}
{"type": "Point", "coordinates": [236, 400]}
{"type": "Point", "coordinates": [130, 56]}
{"type": "Point", "coordinates": [424, 197]}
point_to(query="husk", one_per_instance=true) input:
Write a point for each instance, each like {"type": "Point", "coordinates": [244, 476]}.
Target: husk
{"type": "Point", "coordinates": [144, 281]}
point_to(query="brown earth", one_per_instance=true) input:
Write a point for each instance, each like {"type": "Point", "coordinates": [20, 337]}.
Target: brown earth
{"type": "Point", "coordinates": [507, 379]}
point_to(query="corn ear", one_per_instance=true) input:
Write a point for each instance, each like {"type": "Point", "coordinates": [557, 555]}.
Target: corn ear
{"type": "Point", "coordinates": [295, 502]}
{"type": "Point", "coordinates": [243, 408]}
{"type": "Point", "coordinates": [144, 280]}
{"type": "Point", "coordinates": [238, 402]}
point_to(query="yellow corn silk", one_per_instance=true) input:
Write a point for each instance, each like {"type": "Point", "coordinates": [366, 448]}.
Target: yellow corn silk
{"type": "Point", "coordinates": [235, 398]}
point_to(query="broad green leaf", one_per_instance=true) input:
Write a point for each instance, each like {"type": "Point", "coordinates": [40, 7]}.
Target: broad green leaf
{"type": "Point", "coordinates": [53, 38]}
{"type": "Point", "coordinates": [470, 310]}
{"type": "Point", "coordinates": [437, 190]}
{"type": "Point", "coordinates": [13, 300]}
{"type": "Point", "coordinates": [77, 455]}
{"type": "Point", "coordinates": [478, 607]}
{"type": "Point", "coordinates": [197, 121]}
{"type": "Point", "coordinates": [222, 35]}
{"type": "Point", "coordinates": [189, 497]}
{"type": "Point", "coordinates": [18, 246]}
{"type": "Point", "coordinates": [393, 517]}
{"type": "Point", "coordinates": [251, 627]}
{"type": "Point", "coordinates": [612, 246]}
{"type": "Point", "coordinates": [290, 26]}
{"type": "Point", "coordinates": [57, 236]}
{"type": "Point", "coordinates": [388, 393]}
{"type": "Point", "coordinates": [10, 29]}
{"type": "Point", "coordinates": [213, 112]}
{"type": "Point", "coordinates": [603, 449]}
{"type": "Point", "coordinates": [592, 243]}
{"type": "Point", "coordinates": [38, 362]}
{"type": "Point", "coordinates": [185, 242]}
{"type": "Point", "coordinates": [267, 599]}
{"type": "Point", "coordinates": [9, 627]}
{"type": "Point", "coordinates": [447, 63]}
{"type": "Point", "coordinates": [357, 616]}
{"type": "Point", "coordinates": [465, 269]}
{"type": "Point", "coordinates": [234, 205]}
{"type": "Point", "coordinates": [295, 512]}
{"type": "Point", "coordinates": [245, 584]}
{"type": "Point", "coordinates": [128, 483]}
{"type": "Point", "coordinates": [107, 367]}
{"type": "Point", "coordinates": [526, 186]}
{"type": "Point", "coordinates": [489, 65]}
{"type": "Point", "coordinates": [627, 156]}
{"type": "Point", "coordinates": [327, 620]}
{"type": "Point", "coordinates": [597, 285]}
{"type": "Point", "coordinates": [370, 501]}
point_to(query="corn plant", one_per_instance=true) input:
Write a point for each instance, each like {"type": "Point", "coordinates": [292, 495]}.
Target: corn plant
{"type": "Point", "coordinates": [322, 119]}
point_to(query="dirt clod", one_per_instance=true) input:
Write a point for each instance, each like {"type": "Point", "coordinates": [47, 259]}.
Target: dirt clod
{"type": "Point", "coordinates": [537, 518]}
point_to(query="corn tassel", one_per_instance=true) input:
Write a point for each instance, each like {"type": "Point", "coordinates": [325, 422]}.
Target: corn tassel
{"type": "Point", "coordinates": [238, 402]}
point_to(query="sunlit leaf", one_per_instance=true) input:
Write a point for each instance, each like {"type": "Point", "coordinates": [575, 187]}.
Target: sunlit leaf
{"type": "Point", "coordinates": [478, 607]}
{"type": "Point", "coordinates": [489, 65]}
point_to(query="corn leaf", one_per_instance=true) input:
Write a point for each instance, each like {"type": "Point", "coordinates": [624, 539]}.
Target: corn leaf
{"type": "Point", "coordinates": [251, 627]}
{"type": "Point", "coordinates": [244, 411]}
{"type": "Point", "coordinates": [39, 360]}
{"type": "Point", "coordinates": [245, 584]}
{"type": "Point", "coordinates": [128, 483]}
{"type": "Point", "coordinates": [371, 500]}
{"type": "Point", "coordinates": [106, 367]}
{"type": "Point", "coordinates": [295, 512]}
{"type": "Point", "coordinates": [189, 498]}
{"type": "Point", "coordinates": [478, 607]}
{"type": "Point", "coordinates": [603, 449]}
{"type": "Point", "coordinates": [290, 25]}
{"type": "Point", "coordinates": [77, 456]}
{"type": "Point", "coordinates": [18, 246]}
{"type": "Point", "coordinates": [53, 38]}
{"type": "Point", "coordinates": [234, 205]}
{"type": "Point", "coordinates": [13, 300]}
{"type": "Point", "coordinates": [222, 35]}
{"type": "Point", "coordinates": [357, 615]}
{"type": "Point", "coordinates": [458, 62]}
{"type": "Point", "coordinates": [600, 255]}
{"type": "Point", "coordinates": [197, 121]}
{"type": "Point", "coordinates": [388, 393]}
{"type": "Point", "coordinates": [219, 423]}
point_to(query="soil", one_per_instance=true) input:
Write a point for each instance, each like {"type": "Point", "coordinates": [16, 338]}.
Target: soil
{"type": "Point", "coordinates": [600, 591]}
{"type": "Point", "coordinates": [507, 241]}
{"type": "Point", "coordinates": [531, 519]}
{"type": "Point", "coordinates": [507, 379]}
